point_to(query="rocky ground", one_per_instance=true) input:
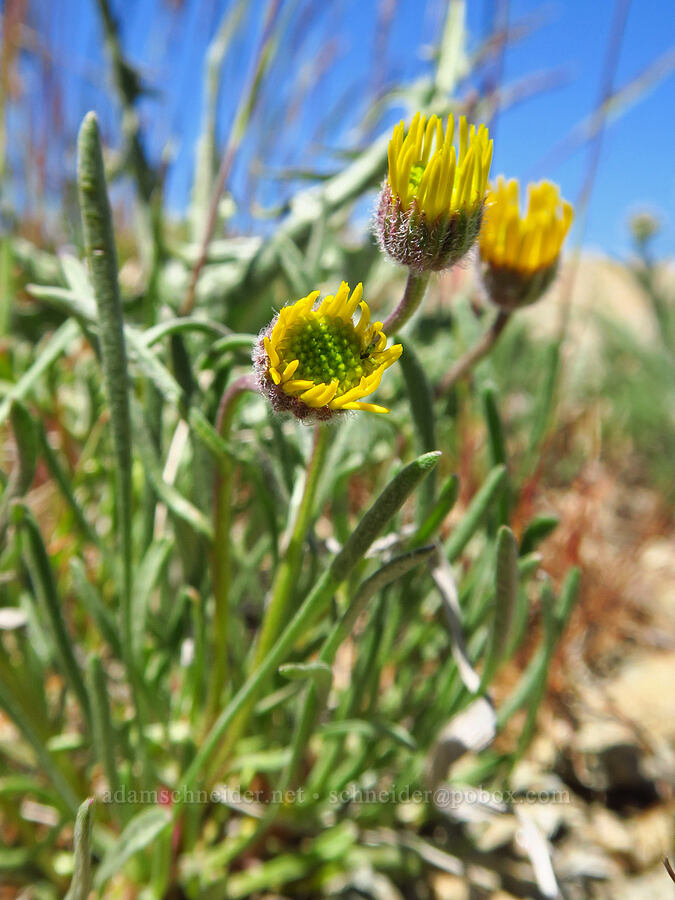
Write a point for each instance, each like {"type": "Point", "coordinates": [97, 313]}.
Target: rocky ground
{"type": "Point", "coordinates": [606, 736]}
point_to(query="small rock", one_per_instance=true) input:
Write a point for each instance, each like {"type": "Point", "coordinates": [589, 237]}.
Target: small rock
{"type": "Point", "coordinates": [643, 693]}
{"type": "Point", "coordinates": [450, 887]}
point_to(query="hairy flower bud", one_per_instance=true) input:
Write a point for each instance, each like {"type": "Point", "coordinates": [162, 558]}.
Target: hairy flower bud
{"type": "Point", "coordinates": [431, 205]}
{"type": "Point", "coordinates": [519, 255]}
{"type": "Point", "coordinates": [314, 362]}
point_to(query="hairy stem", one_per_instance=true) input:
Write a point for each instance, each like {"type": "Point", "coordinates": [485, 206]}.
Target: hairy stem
{"type": "Point", "coordinates": [415, 289]}
{"type": "Point", "coordinates": [287, 574]}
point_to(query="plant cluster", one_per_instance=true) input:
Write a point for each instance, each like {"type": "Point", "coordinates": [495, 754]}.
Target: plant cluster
{"type": "Point", "coordinates": [253, 656]}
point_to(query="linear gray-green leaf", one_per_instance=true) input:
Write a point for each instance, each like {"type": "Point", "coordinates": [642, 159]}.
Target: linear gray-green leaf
{"type": "Point", "coordinates": [371, 525]}
{"type": "Point", "coordinates": [102, 258]}
{"type": "Point", "coordinates": [137, 835]}
{"type": "Point", "coordinates": [446, 500]}
{"type": "Point", "coordinates": [476, 512]}
{"type": "Point", "coordinates": [506, 589]}
{"type": "Point", "coordinates": [40, 570]}
{"type": "Point", "coordinates": [53, 348]}
{"type": "Point", "coordinates": [382, 512]}
{"type": "Point", "coordinates": [80, 886]}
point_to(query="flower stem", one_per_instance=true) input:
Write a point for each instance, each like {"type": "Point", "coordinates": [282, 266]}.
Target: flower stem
{"type": "Point", "coordinates": [221, 562]}
{"type": "Point", "coordinates": [287, 574]}
{"type": "Point", "coordinates": [480, 349]}
{"type": "Point", "coordinates": [415, 289]}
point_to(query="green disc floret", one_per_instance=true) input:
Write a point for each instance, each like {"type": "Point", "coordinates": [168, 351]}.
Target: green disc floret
{"type": "Point", "coordinates": [416, 173]}
{"type": "Point", "coordinates": [328, 348]}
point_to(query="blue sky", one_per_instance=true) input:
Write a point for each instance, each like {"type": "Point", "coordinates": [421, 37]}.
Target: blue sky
{"type": "Point", "coordinates": [636, 168]}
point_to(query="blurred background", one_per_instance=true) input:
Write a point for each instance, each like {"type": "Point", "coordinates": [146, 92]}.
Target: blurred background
{"type": "Point", "coordinates": [244, 144]}
{"type": "Point", "coordinates": [568, 83]}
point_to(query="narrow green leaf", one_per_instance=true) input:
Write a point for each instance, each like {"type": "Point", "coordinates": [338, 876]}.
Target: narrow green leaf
{"type": "Point", "coordinates": [141, 831]}
{"type": "Point", "coordinates": [102, 729]}
{"type": "Point", "coordinates": [371, 525]}
{"type": "Point", "coordinates": [65, 300]}
{"type": "Point", "coordinates": [537, 686]}
{"type": "Point", "coordinates": [537, 530]}
{"type": "Point", "coordinates": [84, 309]}
{"type": "Point", "coordinates": [369, 728]}
{"type": "Point", "coordinates": [80, 886]}
{"type": "Point", "coordinates": [221, 449]}
{"type": "Point", "coordinates": [147, 576]}
{"type": "Point", "coordinates": [185, 324]}
{"type": "Point", "coordinates": [311, 700]}
{"type": "Point", "coordinates": [25, 434]}
{"type": "Point", "coordinates": [12, 786]}
{"type": "Point", "coordinates": [88, 596]}
{"type": "Point", "coordinates": [421, 399]}
{"type": "Point", "coordinates": [317, 672]}
{"type": "Point", "coordinates": [497, 445]}
{"type": "Point", "coordinates": [37, 563]}
{"type": "Point", "coordinates": [177, 504]}
{"type": "Point", "coordinates": [386, 574]}
{"type": "Point", "coordinates": [226, 345]}
{"type": "Point", "coordinates": [506, 589]}
{"type": "Point", "coordinates": [6, 284]}
{"type": "Point", "coordinates": [23, 472]}
{"type": "Point", "coordinates": [102, 258]}
{"type": "Point", "coordinates": [447, 499]}
{"type": "Point", "coordinates": [182, 366]}
{"type": "Point", "coordinates": [76, 276]}
{"type": "Point", "coordinates": [382, 512]}
{"type": "Point", "coordinates": [64, 483]}
{"type": "Point", "coordinates": [546, 400]}
{"type": "Point", "coordinates": [17, 714]}
{"type": "Point", "coordinates": [154, 370]}
{"type": "Point", "coordinates": [476, 512]}
{"type": "Point", "coordinates": [521, 613]}
{"type": "Point", "coordinates": [569, 594]}
{"type": "Point", "coordinates": [532, 683]}
{"type": "Point", "coordinates": [280, 870]}
{"type": "Point", "coordinates": [53, 348]}
{"type": "Point", "coordinates": [495, 428]}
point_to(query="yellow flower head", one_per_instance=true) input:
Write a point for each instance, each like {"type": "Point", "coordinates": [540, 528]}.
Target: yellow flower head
{"type": "Point", "coordinates": [520, 254]}
{"type": "Point", "coordinates": [315, 362]}
{"type": "Point", "coordinates": [431, 204]}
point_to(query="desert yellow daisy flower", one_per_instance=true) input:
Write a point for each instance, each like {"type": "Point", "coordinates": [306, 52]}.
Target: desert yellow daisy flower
{"type": "Point", "coordinates": [431, 204]}
{"type": "Point", "coordinates": [315, 362]}
{"type": "Point", "coordinates": [519, 254]}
